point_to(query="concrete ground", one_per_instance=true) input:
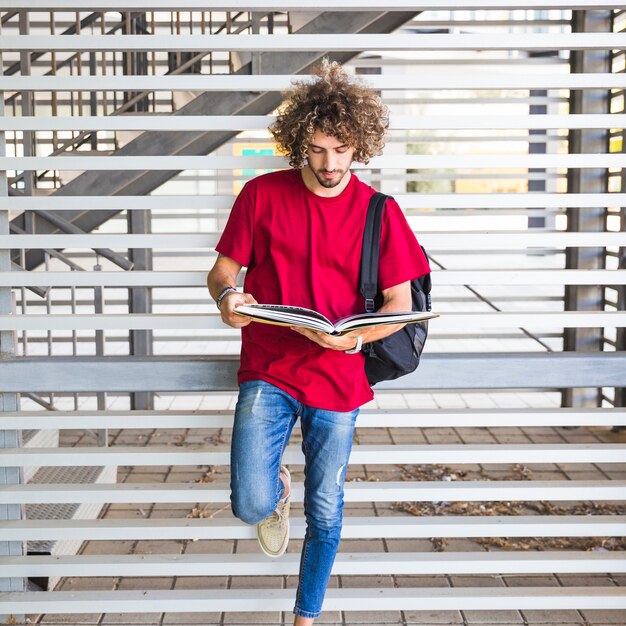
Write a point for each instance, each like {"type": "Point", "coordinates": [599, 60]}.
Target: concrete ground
{"type": "Point", "coordinates": [220, 474]}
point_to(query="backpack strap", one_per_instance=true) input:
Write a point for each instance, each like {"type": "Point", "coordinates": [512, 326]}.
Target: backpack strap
{"type": "Point", "coordinates": [370, 250]}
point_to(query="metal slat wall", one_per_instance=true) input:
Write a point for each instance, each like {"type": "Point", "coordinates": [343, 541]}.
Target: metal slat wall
{"type": "Point", "coordinates": [496, 217]}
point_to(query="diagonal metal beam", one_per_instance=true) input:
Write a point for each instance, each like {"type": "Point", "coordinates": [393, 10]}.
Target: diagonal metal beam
{"type": "Point", "coordinates": [66, 226]}
{"type": "Point", "coordinates": [86, 21]}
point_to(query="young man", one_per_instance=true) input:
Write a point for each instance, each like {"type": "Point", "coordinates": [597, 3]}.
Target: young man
{"type": "Point", "coordinates": [299, 233]}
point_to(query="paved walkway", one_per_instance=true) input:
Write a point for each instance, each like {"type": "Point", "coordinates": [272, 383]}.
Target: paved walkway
{"type": "Point", "coordinates": [546, 471]}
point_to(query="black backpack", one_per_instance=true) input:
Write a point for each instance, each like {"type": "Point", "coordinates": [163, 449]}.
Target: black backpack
{"type": "Point", "coordinates": [398, 354]}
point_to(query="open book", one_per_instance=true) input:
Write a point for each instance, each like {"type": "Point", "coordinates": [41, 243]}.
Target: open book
{"type": "Point", "coordinates": [307, 318]}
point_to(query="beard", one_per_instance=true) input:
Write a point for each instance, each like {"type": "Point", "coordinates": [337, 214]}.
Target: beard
{"type": "Point", "coordinates": [329, 183]}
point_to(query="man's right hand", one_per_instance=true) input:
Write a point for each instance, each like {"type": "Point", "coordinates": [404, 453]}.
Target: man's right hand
{"type": "Point", "coordinates": [227, 308]}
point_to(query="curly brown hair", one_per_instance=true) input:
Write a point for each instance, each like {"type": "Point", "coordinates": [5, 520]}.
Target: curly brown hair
{"type": "Point", "coordinates": [335, 104]}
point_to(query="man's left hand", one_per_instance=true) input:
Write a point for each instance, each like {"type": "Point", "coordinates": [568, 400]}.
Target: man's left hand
{"type": "Point", "coordinates": [341, 343]}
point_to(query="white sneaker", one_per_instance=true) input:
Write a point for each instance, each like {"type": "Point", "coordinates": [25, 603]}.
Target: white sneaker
{"type": "Point", "coordinates": [273, 531]}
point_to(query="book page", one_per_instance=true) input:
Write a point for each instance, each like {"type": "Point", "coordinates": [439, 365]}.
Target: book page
{"type": "Point", "coordinates": [366, 320]}
{"type": "Point", "coordinates": [287, 316]}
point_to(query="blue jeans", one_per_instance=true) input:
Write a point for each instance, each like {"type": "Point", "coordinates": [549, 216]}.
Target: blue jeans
{"type": "Point", "coordinates": [264, 418]}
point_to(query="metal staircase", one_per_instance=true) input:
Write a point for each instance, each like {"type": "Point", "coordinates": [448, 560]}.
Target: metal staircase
{"type": "Point", "coordinates": [125, 182]}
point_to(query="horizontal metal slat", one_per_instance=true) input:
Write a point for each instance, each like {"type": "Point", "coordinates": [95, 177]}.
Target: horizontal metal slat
{"type": "Point", "coordinates": [361, 599]}
{"type": "Point", "coordinates": [339, 5]}
{"type": "Point", "coordinates": [261, 122]}
{"type": "Point", "coordinates": [389, 491]}
{"type": "Point", "coordinates": [406, 201]}
{"type": "Point", "coordinates": [317, 42]}
{"type": "Point", "coordinates": [90, 162]}
{"type": "Point", "coordinates": [368, 418]}
{"type": "Point", "coordinates": [199, 321]}
{"type": "Point", "coordinates": [180, 241]}
{"type": "Point", "coordinates": [198, 278]}
{"type": "Point", "coordinates": [352, 563]}
{"type": "Point", "coordinates": [353, 528]}
{"type": "Point", "coordinates": [260, 83]}
{"type": "Point", "coordinates": [361, 454]}
{"type": "Point", "coordinates": [210, 203]}
{"type": "Point", "coordinates": [451, 240]}
{"type": "Point", "coordinates": [301, 5]}
{"type": "Point", "coordinates": [528, 21]}
{"type": "Point", "coordinates": [524, 370]}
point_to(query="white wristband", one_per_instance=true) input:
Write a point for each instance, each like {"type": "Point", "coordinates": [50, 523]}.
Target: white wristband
{"type": "Point", "coordinates": [357, 348]}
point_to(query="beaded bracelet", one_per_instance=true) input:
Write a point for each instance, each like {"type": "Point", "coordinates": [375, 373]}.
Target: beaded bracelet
{"type": "Point", "coordinates": [225, 291]}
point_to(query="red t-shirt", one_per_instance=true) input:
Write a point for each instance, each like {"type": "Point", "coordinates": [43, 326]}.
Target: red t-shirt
{"type": "Point", "coordinates": [302, 249]}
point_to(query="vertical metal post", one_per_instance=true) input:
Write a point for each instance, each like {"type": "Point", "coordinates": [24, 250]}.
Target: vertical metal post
{"type": "Point", "coordinates": [26, 97]}
{"type": "Point", "coordinates": [140, 301]}
{"type": "Point", "coordinates": [139, 298]}
{"type": "Point", "coordinates": [135, 63]}
{"type": "Point", "coordinates": [593, 180]}
{"type": "Point", "coordinates": [620, 339]}
{"type": "Point", "coordinates": [93, 99]}
{"type": "Point", "coordinates": [102, 434]}
{"type": "Point", "coordinates": [28, 137]}
{"type": "Point", "coordinates": [255, 61]}
{"type": "Point", "coordinates": [620, 336]}
{"type": "Point", "coordinates": [8, 401]}
{"type": "Point", "coordinates": [537, 148]}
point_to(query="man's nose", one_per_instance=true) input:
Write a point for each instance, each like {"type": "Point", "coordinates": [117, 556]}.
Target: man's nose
{"type": "Point", "coordinates": [329, 162]}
